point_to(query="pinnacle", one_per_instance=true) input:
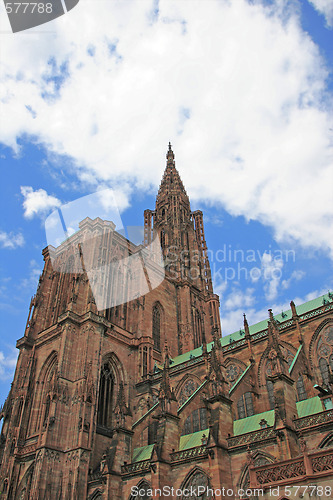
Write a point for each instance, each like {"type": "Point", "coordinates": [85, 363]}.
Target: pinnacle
{"type": "Point", "coordinates": [171, 180]}
{"type": "Point", "coordinates": [170, 155]}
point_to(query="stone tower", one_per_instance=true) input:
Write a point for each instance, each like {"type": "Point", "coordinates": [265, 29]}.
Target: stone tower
{"type": "Point", "coordinates": [184, 247]}
{"type": "Point", "coordinates": [81, 370]}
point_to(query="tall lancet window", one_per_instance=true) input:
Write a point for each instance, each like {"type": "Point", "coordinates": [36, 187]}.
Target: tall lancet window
{"type": "Point", "coordinates": [245, 405]}
{"type": "Point", "coordinates": [300, 388]}
{"type": "Point", "coordinates": [323, 366]}
{"type": "Point", "coordinates": [197, 329]}
{"type": "Point", "coordinates": [47, 411]}
{"type": "Point", "coordinates": [157, 326]}
{"type": "Point", "coordinates": [270, 392]}
{"type": "Point", "coordinates": [163, 243]}
{"type": "Point", "coordinates": [105, 397]}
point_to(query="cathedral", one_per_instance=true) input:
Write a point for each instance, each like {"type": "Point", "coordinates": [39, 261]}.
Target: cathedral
{"type": "Point", "coordinates": [124, 395]}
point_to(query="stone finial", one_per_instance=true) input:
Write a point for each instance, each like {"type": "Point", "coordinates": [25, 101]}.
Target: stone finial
{"type": "Point", "coordinates": [293, 308]}
{"type": "Point", "coordinates": [121, 409]}
{"type": "Point", "coordinates": [166, 354]}
{"type": "Point", "coordinates": [170, 156]}
{"type": "Point", "coordinates": [249, 456]}
{"type": "Point", "coordinates": [246, 326]}
{"type": "Point", "coordinates": [166, 394]}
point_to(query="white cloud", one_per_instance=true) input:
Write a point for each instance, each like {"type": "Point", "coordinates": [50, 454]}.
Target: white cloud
{"type": "Point", "coordinates": [11, 240]}
{"type": "Point", "coordinates": [4, 286]}
{"type": "Point", "coordinates": [7, 364]}
{"type": "Point", "coordinates": [213, 218]}
{"type": "Point", "coordinates": [34, 273]}
{"type": "Point", "coordinates": [220, 284]}
{"type": "Point", "coordinates": [271, 274]}
{"type": "Point", "coordinates": [232, 320]}
{"type": "Point", "coordinates": [37, 202]}
{"type": "Point", "coordinates": [295, 276]}
{"type": "Point", "coordinates": [324, 7]}
{"type": "Point", "coordinates": [237, 298]}
{"type": "Point", "coordinates": [238, 87]}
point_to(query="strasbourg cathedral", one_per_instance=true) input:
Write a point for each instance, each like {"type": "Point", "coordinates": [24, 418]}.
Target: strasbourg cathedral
{"type": "Point", "coordinates": [131, 400]}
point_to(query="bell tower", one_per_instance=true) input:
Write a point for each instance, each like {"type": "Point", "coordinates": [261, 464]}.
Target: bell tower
{"type": "Point", "coordinates": [183, 243]}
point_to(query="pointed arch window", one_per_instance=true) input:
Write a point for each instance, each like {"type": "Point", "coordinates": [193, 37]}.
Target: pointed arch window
{"type": "Point", "coordinates": [152, 432]}
{"type": "Point", "coordinates": [163, 238]}
{"type": "Point", "coordinates": [68, 283]}
{"type": "Point", "coordinates": [300, 388]}
{"type": "Point", "coordinates": [197, 329]}
{"type": "Point", "coordinates": [144, 488]}
{"type": "Point", "coordinates": [144, 361]}
{"type": "Point", "coordinates": [105, 397]}
{"type": "Point", "coordinates": [12, 447]}
{"type": "Point", "coordinates": [245, 405]}
{"type": "Point", "coordinates": [19, 413]}
{"type": "Point", "coordinates": [47, 411]}
{"type": "Point", "coordinates": [157, 319]}
{"type": "Point", "coordinates": [197, 421]}
{"type": "Point", "coordinates": [187, 390]}
{"type": "Point", "coordinates": [324, 370]}
{"type": "Point", "coordinates": [195, 479]}
{"type": "Point", "coordinates": [270, 392]}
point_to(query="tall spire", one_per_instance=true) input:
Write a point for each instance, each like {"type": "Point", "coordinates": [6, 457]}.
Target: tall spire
{"type": "Point", "coordinates": [182, 237]}
{"type": "Point", "coordinates": [171, 183]}
{"type": "Point", "coordinates": [170, 155]}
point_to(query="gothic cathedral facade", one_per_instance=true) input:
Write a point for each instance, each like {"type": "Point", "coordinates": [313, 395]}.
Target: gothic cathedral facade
{"type": "Point", "coordinates": [135, 399]}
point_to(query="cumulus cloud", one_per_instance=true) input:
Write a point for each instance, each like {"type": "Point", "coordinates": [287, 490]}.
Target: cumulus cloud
{"type": "Point", "coordinates": [324, 7]}
{"type": "Point", "coordinates": [296, 275]}
{"type": "Point", "coordinates": [271, 273]}
{"type": "Point", "coordinates": [237, 298]}
{"type": "Point", "coordinates": [238, 87]}
{"type": "Point", "coordinates": [34, 273]}
{"type": "Point", "coordinates": [11, 240]}
{"type": "Point", "coordinates": [37, 202]}
{"type": "Point", "coordinates": [232, 319]}
{"type": "Point", "coordinates": [7, 364]}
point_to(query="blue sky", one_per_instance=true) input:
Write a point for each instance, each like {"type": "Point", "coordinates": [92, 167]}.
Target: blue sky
{"type": "Point", "coordinates": [242, 89]}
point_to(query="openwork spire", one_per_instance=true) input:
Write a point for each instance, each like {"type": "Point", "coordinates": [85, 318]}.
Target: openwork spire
{"type": "Point", "coordinates": [171, 183]}
{"type": "Point", "coordinates": [170, 155]}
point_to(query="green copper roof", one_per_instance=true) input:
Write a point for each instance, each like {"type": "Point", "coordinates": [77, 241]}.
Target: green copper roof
{"type": "Point", "coordinates": [284, 316]}
{"type": "Point", "coordinates": [143, 453]}
{"type": "Point", "coordinates": [257, 327]}
{"type": "Point", "coordinates": [249, 424]}
{"type": "Point", "coordinates": [309, 406]}
{"type": "Point", "coordinates": [192, 440]}
{"type": "Point", "coordinates": [187, 356]}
